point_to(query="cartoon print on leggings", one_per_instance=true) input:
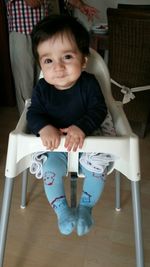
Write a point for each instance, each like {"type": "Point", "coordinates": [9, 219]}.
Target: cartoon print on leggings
{"type": "Point", "coordinates": [86, 197]}
{"type": "Point", "coordinates": [49, 178]}
{"type": "Point", "coordinates": [58, 203]}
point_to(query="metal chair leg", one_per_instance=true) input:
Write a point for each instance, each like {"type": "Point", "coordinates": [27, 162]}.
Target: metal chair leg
{"type": "Point", "coordinates": [74, 178]}
{"type": "Point", "coordinates": [137, 223]}
{"type": "Point", "coordinates": [117, 182]}
{"type": "Point", "coordinates": [6, 203]}
{"type": "Point", "coordinates": [24, 189]}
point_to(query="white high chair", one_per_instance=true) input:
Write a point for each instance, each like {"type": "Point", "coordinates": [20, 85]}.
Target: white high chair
{"type": "Point", "coordinates": [125, 146]}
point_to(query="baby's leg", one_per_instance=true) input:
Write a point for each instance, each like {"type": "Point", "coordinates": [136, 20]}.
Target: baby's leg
{"type": "Point", "coordinates": [92, 189]}
{"type": "Point", "coordinates": [53, 171]}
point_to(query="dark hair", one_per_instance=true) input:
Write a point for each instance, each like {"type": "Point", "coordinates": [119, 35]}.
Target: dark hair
{"type": "Point", "coordinates": [54, 24]}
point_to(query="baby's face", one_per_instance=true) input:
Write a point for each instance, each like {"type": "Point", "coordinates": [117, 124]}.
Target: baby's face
{"type": "Point", "coordinates": [61, 61]}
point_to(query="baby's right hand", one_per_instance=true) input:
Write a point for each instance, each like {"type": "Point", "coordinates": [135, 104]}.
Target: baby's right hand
{"type": "Point", "coordinates": [50, 137]}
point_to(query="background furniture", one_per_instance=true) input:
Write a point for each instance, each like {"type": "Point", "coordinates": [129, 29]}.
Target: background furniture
{"type": "Point", "coordinates": [134, 7]}
{"type": "Point", "coordinates": [129, 61]}
{"type": "Point", "coordinates": [124, 145]}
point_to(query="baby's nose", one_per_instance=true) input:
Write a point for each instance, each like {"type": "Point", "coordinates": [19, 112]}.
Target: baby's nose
{"type": "Point", "coordinates": [59, 65]}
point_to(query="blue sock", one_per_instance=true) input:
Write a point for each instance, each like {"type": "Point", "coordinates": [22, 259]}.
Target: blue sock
{"type": "Point", "coordinates": [53, 171]}
{"type": "Point", "coordinates": [66, 221]}
{"type": "Point", "coordinates": [92, 189]}
{"type": "Point", "coordinates": [84, 220]}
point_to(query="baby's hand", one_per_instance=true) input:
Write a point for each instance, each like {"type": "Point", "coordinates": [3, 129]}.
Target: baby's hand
{"type": "Point", "coordinates": [74, 138]}
{"type": "Point", "coordinates": [50, 137]}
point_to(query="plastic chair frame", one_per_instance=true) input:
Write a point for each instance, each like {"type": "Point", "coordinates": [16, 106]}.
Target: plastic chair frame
{"type": "Point", "coordinates": [125, 145]}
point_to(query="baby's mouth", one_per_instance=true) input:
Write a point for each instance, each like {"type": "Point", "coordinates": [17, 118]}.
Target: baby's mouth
{"type": "Point", "coordinates": [60, 76]}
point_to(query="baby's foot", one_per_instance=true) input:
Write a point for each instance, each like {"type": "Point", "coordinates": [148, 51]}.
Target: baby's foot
{"type": "Point", "coordinates": [66, 221]}
{"type": "Point", "coordinates": [84, 220]}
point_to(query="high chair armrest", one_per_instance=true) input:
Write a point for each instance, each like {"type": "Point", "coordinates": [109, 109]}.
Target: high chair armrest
{"type": "Point", "coordinates": [22, 145]}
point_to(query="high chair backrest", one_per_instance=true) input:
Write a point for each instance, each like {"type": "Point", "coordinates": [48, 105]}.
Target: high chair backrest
{"type": "Point", "coordinates": [98, 67]}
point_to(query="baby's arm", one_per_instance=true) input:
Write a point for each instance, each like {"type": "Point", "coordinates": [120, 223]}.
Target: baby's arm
{"type": "Point", "coordinates": [50, 137]}
{"type": "Point", "coordinates": [74, 137]}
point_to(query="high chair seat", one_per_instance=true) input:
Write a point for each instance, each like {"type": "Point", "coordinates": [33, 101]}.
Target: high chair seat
{"type": "Point", "coordinates": [125, 146]}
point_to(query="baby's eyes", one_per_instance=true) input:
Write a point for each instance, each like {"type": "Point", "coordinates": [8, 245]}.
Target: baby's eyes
{"type": "Point", "coordinates": [68, 56]}
{"type": "Point", "coordinates": [47, 61]}
{"type": "Point", "coordinates": [64, 58]}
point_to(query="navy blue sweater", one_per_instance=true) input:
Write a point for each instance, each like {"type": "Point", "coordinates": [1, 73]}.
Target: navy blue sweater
{"type": "Point", "coordinates": [82, 105]}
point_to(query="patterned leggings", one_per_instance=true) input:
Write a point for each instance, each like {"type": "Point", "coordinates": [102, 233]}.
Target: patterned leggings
{"type": "Point", "coordinates": [55, 168]}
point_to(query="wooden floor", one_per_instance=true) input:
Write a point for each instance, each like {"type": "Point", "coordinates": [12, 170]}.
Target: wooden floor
{"type": "Point", "coordinates": [33, 236]}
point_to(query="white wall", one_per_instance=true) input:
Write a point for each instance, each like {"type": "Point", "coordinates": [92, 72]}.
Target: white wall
{"type": "Point", "coordinates": [102, 6]}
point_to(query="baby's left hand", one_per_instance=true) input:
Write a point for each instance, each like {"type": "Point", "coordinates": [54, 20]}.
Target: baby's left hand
{"type": "Point", "coordinates": [74, 138]}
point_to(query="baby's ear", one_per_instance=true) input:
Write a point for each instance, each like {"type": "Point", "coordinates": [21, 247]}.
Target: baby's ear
{"type": "Point", "coordinates": [85, 60]}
